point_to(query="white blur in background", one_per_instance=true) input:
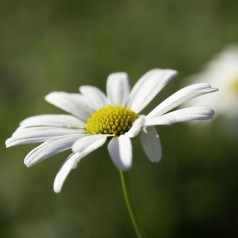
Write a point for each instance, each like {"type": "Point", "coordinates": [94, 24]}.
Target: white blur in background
{"type": "Point", "coordinates": [222, 73]}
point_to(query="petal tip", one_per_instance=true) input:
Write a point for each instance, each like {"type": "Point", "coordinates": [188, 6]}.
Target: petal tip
{"type": "Point", "coordinates": [215, 89]}
{"type": "Point", "coordinates": [125, 167]}
{"type": "Point", "coordinates": [8, 143]}
{"type": "Point", "coordinates": [118, 74]}
{"type": "Point", "coordinates": [56, 189]}
{"type": "Point", "coordinates": [212, 113]}
{"type": "Point", "coordinates": [48, 96]}
{"type": "Point", "coordinates": [27, 164]}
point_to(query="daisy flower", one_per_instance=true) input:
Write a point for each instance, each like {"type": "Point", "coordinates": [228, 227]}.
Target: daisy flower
{"type": "Point", "coordinates": [221, 71]}
{"type": "Point", "coordinates": [96, 117]}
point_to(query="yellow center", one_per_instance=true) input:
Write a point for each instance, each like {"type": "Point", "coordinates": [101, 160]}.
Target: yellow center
{"type": "Point", "coordinates": [115, 120]}
{"type": "Point", "coordinates": [234, 85]}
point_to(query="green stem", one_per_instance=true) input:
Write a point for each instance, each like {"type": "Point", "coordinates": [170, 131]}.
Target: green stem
{"type": "Point", "coordinates": [129, 204]}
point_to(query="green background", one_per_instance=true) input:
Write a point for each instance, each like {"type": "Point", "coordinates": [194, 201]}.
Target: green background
{"type": "Point", "coordinates": [51, 45]}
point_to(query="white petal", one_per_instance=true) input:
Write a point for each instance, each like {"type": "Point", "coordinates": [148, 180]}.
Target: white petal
{"type": "Point", "coordinates": [95, 96]}
{"type": "Point", "coordinates": [120, 150]}
{"type": "Point", "coordinates": [70, 103]}
{"type": "Point", "coordinates": [49, 148]}
{"type": "Point", "coordinates": [182, 115]}
{"type": "Point", "coordinates": [136, 127]}
{"type": "Point", "coordinates": [32, 135]}
{"type": "Point", "coordinates": [85, 145]}
{"type": "Point", "coordinates": [69, 164]}
{"type": "Point", "coordinates": [118, 88]}
{"type": "Point", "coordinates": [151, 144]}
{"type": "Point", "coordinates": [89, 143]}
{"type": "Point", "coordinates": [180, 97]}
{"type": "Point", "coordinates": [53, 120]}
{"type": "Point", "coordinates": [148, 87]}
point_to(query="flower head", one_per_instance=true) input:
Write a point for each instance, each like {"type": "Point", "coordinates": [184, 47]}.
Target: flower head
{"type": "Point", "coordinates": [221, 71]}
{"type": "Point", "coordinates": [96, 117]}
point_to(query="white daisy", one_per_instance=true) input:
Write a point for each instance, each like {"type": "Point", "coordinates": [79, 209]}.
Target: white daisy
{"type": "Point", "coordinates": [96, 117]}
{"type": "Point", "coordinates": [221, 71]}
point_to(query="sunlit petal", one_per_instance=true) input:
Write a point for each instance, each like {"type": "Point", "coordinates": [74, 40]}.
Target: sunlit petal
{"type": "Point", "coordinates": [118, 88]}
{"type": "Point", "coordinates": [148, 87]}
{"type": "Point", "coordinates": [120, 150]}
{"type": "Point", "coordinates": [150, 142]}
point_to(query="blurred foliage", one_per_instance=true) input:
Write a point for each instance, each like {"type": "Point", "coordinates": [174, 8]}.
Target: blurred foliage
{"type": "Point", "coordinates": [60, 45]}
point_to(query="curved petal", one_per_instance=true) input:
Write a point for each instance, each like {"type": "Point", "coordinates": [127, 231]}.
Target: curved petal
{"type": "Point", "coordinates": [85, 145]}
{"type": "Point", "coordinates": [89, 143]}
{"type": "Point", "coordinates": [148, 86]}
{"type": "Point", "coordinates": [120, 150]}
{"type": "Point", "coordinates": [77, 106]}
{"type": "Point", "coordinates": [118, 88]}
{"type": "Point", "coordinates": [151, 144]}
{"type": "Point", "coordinates": [181, 96]}
{"type": "Point", "coordinates": [69, 164]}
{"type": "Point", "coordinates": [49, 148]}
{"type": "Point", "coordinates": [95, 96]}
{"type": "Point", "coordinates": [136, 127]}
{"type": "Point", "coordinates": [54, 120]}
{"type": "Point", "coordinates": [32, 135]}
{"type": "Point", "coordinates": [181, 115]}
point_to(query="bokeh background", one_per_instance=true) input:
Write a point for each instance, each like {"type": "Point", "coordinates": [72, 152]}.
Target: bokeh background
{"type": "Point", "coordinates": [51, 45]}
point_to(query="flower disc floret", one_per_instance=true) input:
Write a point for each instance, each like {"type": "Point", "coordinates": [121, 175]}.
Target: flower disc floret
{"type": "Point", "coordinates": [115, 120]}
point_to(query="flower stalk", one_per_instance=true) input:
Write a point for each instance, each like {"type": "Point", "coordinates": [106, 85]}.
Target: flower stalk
{"type": "Point", "coordinates": [129, 204]}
